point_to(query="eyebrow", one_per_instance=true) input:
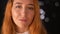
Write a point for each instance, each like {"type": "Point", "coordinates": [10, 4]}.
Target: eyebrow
{"type": "Point", "coordinates": [22, 3]}
{"type": "Point", "coordinates": [18, 3]}
{"type": "Point", "coordinates": [31, 4]}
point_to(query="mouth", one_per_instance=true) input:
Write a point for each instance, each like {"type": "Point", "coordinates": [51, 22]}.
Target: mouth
{"type": "Point", "coordinates": [23, 20]}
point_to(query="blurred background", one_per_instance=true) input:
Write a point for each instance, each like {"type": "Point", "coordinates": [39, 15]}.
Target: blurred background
{"type": "Point", "coordinates": [50, 14]}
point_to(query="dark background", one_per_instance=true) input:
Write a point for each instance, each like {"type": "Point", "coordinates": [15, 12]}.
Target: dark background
{"type": "Point", "coordinates": [52, 10]}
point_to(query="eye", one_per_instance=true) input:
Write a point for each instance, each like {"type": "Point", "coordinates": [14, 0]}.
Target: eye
{"type": "Point", "coordinates": [18, 6]}
{"type": "Point", "coordinates": [30, 8]}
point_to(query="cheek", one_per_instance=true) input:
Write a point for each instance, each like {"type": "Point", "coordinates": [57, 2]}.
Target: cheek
{"type": "Point", "coordinates": [14, 15]}
{"type": "Point", "coordinates": [30, 17]}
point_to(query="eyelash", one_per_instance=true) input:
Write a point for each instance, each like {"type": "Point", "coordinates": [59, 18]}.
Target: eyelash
{"type": "Point", "coordinates": [29, 8]}
{"type": "Point", "coordinates": [18, 6]}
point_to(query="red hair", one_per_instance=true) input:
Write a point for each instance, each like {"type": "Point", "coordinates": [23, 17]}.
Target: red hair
{"type": "Point", "coordinates": [35, 28]}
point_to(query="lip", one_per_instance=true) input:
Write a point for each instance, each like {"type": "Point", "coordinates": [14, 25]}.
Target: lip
{"type": "Point", "coordinates": [23, 20]}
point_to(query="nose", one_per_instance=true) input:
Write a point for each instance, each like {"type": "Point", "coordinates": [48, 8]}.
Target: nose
{"type": "Point", "coordinates": [23, 12]}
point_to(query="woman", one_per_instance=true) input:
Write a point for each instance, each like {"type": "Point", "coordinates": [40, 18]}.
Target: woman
{"type": "Point", "coordinates": [22, 17]}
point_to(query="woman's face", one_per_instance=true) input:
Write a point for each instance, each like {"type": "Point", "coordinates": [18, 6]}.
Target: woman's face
{"type": "Point", "coordinates": [23, 12]}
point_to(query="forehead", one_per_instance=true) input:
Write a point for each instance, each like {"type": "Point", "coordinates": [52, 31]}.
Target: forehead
{"type": "Point", "coordinates": [24, 1]}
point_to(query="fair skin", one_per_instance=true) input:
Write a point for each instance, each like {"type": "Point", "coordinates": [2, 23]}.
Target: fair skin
{"type": "Point", "coordinates": [22, 14]}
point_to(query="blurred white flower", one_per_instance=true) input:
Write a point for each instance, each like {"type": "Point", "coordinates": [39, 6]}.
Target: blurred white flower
{"type": "Point", "coordinates": [42, 17]}
{"type": "Point", "coordinates": [42, 14]}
